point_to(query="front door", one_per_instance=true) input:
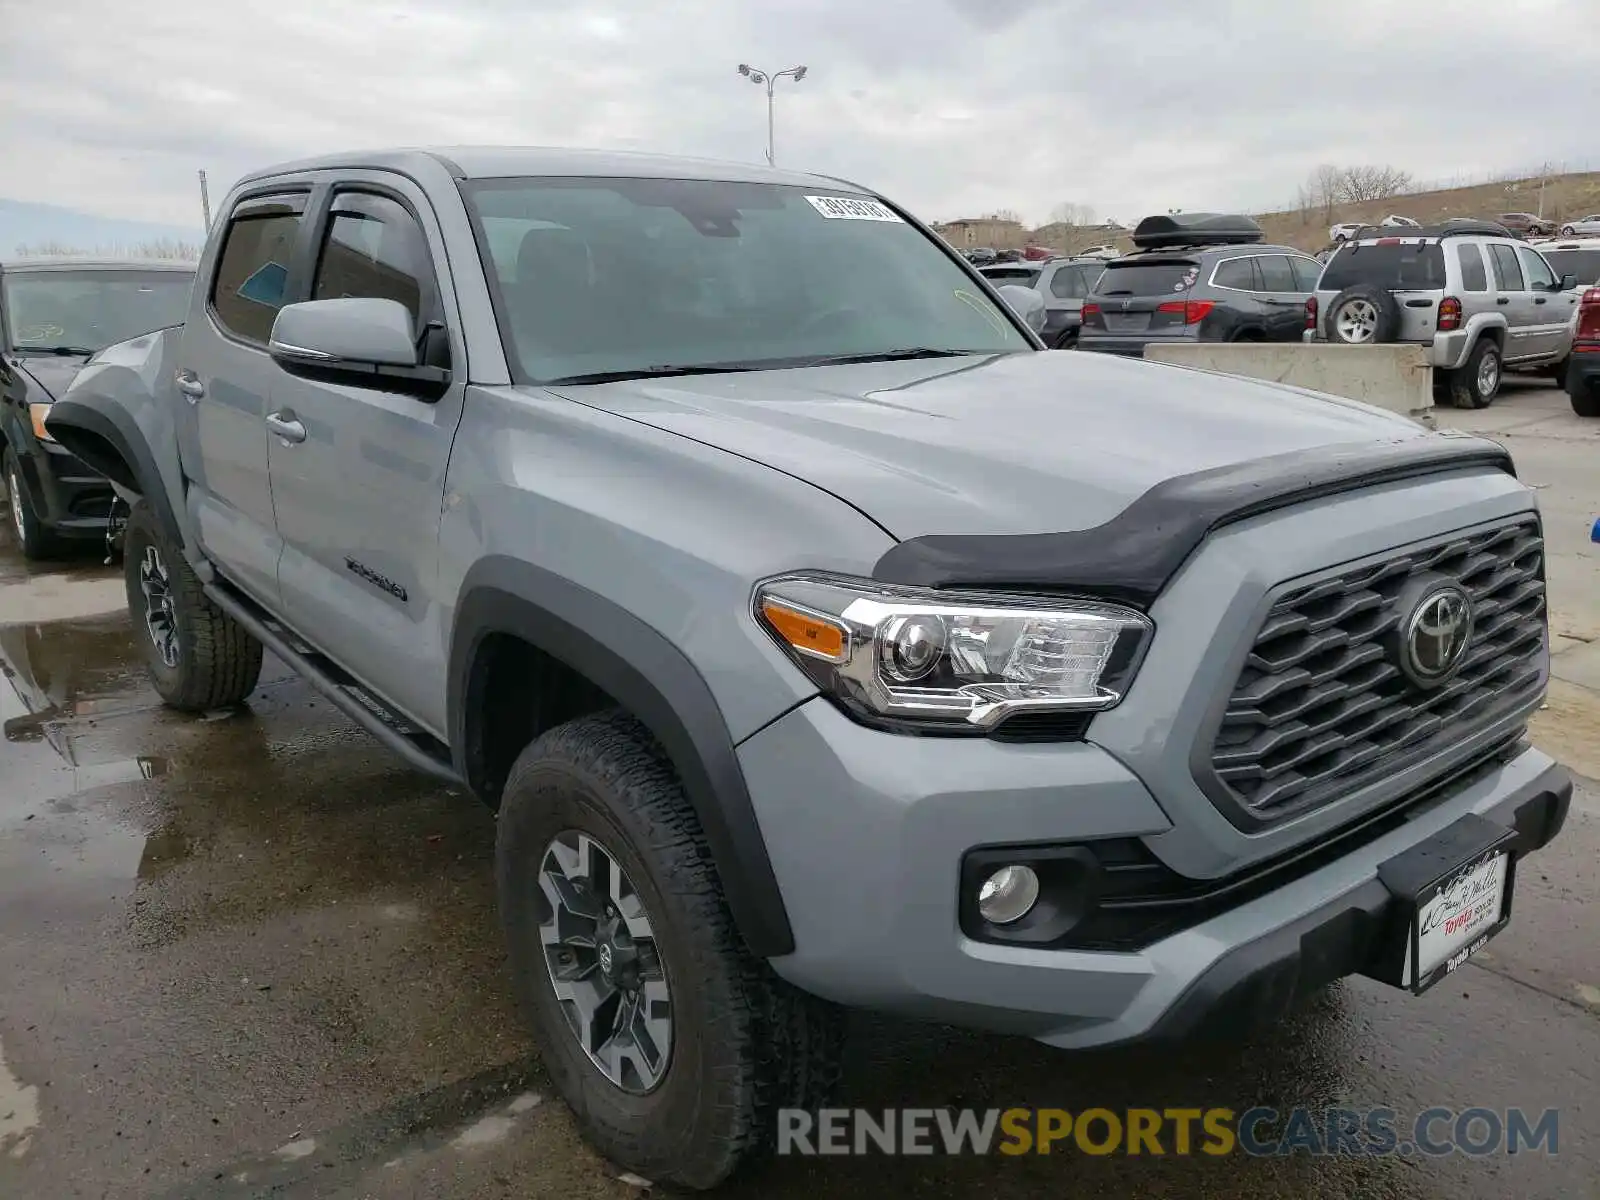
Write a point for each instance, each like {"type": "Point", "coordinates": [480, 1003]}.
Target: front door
{"type": "Point", "coordinates": [1552, 308]}
{"type": "Point", "coordinates": [224, 380]}
{"type": "Point", "coordinates": [359, 499]}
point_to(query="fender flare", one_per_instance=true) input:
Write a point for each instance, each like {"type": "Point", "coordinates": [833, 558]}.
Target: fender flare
{"type": "Point", "coordinates": [108, 441]}
{"type": "Point", "coordinates": [642, 670]}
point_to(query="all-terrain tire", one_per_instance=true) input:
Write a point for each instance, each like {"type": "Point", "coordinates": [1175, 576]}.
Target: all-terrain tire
{"type": "Point", "coordinates": [33, 537]}
{"type": "Point", "coordinates": [743, 1042]}
{"type": "Point", "coordinates": [211, 661]}
{"type": "Point", "coordinates": [1380, 316]}
{"type": "Point", "coordinates": [1469, 386]}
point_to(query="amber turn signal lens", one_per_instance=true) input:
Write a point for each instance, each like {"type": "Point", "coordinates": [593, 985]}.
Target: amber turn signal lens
{"type": "Point", "coordinates": [806, 632]}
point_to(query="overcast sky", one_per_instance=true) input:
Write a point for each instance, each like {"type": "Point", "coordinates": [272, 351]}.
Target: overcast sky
{"type": "Point", "coordinates": [954, 107]}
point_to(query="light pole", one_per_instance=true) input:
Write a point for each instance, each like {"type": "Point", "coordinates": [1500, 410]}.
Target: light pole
{"type": "Point", "coordinates": [770, 79]}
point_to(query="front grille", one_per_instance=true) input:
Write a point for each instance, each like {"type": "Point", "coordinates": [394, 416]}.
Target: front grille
{"type": "Point", "coordinates": [1322, 708]}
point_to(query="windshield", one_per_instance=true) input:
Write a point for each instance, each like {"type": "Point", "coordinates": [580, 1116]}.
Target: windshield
{"type": "Point", "coordinates": [612, 277]}
{"type": "Point", "coordinates": [50, 311]}
{"type": "Point", "coordinates": [1585, 264]}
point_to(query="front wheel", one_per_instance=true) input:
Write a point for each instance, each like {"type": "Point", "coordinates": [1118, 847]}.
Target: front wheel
{"type": "Point", "coordinates": [199, 658]}
{"type": "Point", "coordinates": [1585, 397]}
{"type": "Point", "coordinates": [34, 540]}
{"type": "Point", "coordinates": [673, 1046]}
{"type": "Point", "coordinates": [1476, 382]}
{"type": "Point", "coordinates": [1568, 231]}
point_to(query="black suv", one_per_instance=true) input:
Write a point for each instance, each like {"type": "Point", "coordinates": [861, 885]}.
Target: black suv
{"type": "Point", "coordinates": [54, 314]}
{"type": "Point", "coordinates": [1199, 277]}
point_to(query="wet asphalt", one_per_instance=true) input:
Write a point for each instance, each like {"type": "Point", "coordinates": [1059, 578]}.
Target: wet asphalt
{"type": "Point", "coordinates": [253, 955]}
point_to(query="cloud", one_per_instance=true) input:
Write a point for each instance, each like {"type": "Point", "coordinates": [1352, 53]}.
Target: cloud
{"type": "Point", "coordinates": [950, 106]}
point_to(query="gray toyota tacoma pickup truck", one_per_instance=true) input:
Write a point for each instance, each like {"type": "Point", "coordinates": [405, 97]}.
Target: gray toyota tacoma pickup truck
{"type": "Point", "coordinates": [821, 641]}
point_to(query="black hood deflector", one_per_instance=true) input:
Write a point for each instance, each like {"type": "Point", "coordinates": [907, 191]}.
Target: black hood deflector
{"type": "Point", "coordinates": [1132, 557]}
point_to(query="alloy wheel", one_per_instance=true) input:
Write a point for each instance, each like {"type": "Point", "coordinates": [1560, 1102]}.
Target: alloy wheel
{"type": "Point", "coordinates": [1488, 375]}
{"type": "Point", "coordinates": [1357, 321]}
{"type": "Point", "coordinates": [601, 953]}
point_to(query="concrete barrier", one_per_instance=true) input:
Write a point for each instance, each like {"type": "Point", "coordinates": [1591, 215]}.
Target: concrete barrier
{"type": "Point", "coordinates": [1395, 377]}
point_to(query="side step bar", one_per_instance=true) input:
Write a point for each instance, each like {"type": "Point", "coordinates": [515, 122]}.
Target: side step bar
{"type": "Point", "coordinates": [422, 750]}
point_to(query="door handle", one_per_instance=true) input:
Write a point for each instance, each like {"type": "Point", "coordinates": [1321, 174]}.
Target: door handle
{"type": "Point", "coordinates": [1539, 300]}
{"type": "Point", "coordinates": [190, 386]}
{"type": "Point", "coordinates": [287, 427]}
{"type": "Point", "coordinates": [1503, 300]}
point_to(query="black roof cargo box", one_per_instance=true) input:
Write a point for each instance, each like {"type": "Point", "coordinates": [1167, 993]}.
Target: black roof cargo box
{"type": "Point", "coordinates": [1195, 229]}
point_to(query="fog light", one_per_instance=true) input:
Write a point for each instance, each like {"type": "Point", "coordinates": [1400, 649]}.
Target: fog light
{"type": "Point", "coordinates": [1008, 894]}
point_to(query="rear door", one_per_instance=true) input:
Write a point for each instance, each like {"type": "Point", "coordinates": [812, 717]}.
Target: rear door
{"type": "Point", "coordinates": [1283, 303]}
{"type": "Point", "coordinates": [225, 379]}
{"type": "Point", "coordinates": [1513, 299]}
{"type": "Point", "coordinates": [359, 498]}
{"type": "Point", "coordinates": [1552, 308]}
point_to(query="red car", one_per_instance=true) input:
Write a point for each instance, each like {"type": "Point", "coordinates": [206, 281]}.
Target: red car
{"type": "Point", "coordinates": [1583, 368]}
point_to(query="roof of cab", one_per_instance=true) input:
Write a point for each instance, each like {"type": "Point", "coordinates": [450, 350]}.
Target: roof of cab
{"type": "Point", "coordinates": [499, 162]}
{"type": "Point", "coordinates": [72, 262]}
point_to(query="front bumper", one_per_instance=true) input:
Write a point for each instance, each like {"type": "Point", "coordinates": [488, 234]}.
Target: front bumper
{"type": "Point", "coordinates": [867, 831]}
{"type": "Point", "coordinates": [71, 500]}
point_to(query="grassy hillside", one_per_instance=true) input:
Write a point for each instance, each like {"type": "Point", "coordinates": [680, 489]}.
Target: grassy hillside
{"type": "Point", "coordinates": [1565, 196]}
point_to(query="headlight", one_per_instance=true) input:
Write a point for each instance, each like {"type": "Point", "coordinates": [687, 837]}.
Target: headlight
{"type": "Point", "coordinates": [37, 413]}
{"type": "Point", "coordinates": [963, 662]}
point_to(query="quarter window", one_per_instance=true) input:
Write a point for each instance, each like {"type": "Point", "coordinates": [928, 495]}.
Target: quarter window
{"type": "Point", "coordinates": [1507, 275]}
{"type": "Point", "coordinates": [1474, 277]}
{"type": "Point", "coordinates": [253, 272]}
{"type": "Point", "coordinates": [1237, 273]}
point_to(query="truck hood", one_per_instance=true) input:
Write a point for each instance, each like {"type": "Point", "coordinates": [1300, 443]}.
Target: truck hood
{"type": "Point", "coordinates": [1038, 442]}
{"type": "Point", "coordinates": [51, 374]}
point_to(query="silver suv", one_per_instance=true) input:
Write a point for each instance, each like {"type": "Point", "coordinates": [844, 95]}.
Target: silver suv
{"type": "Point", "coordinates": [1475, 297]}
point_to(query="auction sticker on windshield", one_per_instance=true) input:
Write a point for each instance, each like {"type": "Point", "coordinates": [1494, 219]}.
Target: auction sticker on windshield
{"type": "Point", "coordinates": [851, 208]}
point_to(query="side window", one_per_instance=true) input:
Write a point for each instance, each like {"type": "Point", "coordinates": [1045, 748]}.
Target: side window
{"type": "Point", "coordinates": [252, 272]}
{"type": "Point", "coordinates": [1237, 273]}
{"type": "Point", "coordinates": [374, 247]}
{"type": "Point", "coordinates": [1507, 275]}
{"type": "Point", "coordinates": [1474, 277]}
{"type": "Point", "coordinates": [1306, 273]}
{"type": "Point", "coordinates": [1538, 271]}
{"type": "Point", "coordinates": [1276, 273]}
{"type": "Point", "coordinates": [1062, 284]}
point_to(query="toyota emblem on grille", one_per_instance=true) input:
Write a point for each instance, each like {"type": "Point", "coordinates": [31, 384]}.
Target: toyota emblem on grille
{"type": "Point", "coordinates": [1435, 635]}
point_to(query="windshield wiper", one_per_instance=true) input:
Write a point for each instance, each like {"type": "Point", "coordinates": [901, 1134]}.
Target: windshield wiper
{"type": "Point", "coordinates": [63, 351]}
{"type": "Point", "coordinates": [887, 355]}
{"type": "Point", "coordinates": [662, 371]}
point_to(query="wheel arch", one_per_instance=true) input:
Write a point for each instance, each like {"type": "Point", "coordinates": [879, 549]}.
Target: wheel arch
{"type": "Point", "coordinates": [642, 671]}
{"type": "Point", "coordinates": [109, 441]}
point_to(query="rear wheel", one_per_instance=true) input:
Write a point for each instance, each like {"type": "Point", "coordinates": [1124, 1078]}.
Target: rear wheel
{"type": "Point", "coordinates": [1067, 339]}
{"type": "Point", "coordinates": [1585, 399]}
{"type": "Point", "coordinates": [673, 1046]}
{"type": "Point", "coordinates": [32, 537]}
{"type": "Point", "coordinates": [198, 656]}
{"type": "Point", "coordinates": [1476, 382]}
{"type": "Point", "coordinates": [1568, 231]}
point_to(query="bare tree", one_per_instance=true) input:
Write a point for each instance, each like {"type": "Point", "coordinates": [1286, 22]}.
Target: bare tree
{"type": "Point", "coordinates": [1006, 214]}
{"type": "Point", "coordinates": [1360, 184]}
{"type": "Point", "coordinates": [1326, 183]}
{"type": "Point", "coordinates": [165, 248]}
{"type": "Point", "coordinates": [1070, 213]}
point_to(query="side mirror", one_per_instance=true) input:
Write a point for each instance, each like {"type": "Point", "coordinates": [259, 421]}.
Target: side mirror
{"type": "Point", "coordinates": [1568, 282]}
{"type": "Point", "coordinates": [360, 334]}
{"type": "Point", "coordinates": [1026, 303]}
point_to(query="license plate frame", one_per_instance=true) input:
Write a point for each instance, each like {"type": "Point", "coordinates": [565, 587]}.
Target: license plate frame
{"type": "Point", "coordinates": [1465, 866]}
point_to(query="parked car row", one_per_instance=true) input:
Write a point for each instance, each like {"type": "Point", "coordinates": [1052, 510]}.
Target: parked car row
{"type": "Point", "coordinates": [55, 313]}
{"type": "Point", "coordinates": [1062, 282]}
